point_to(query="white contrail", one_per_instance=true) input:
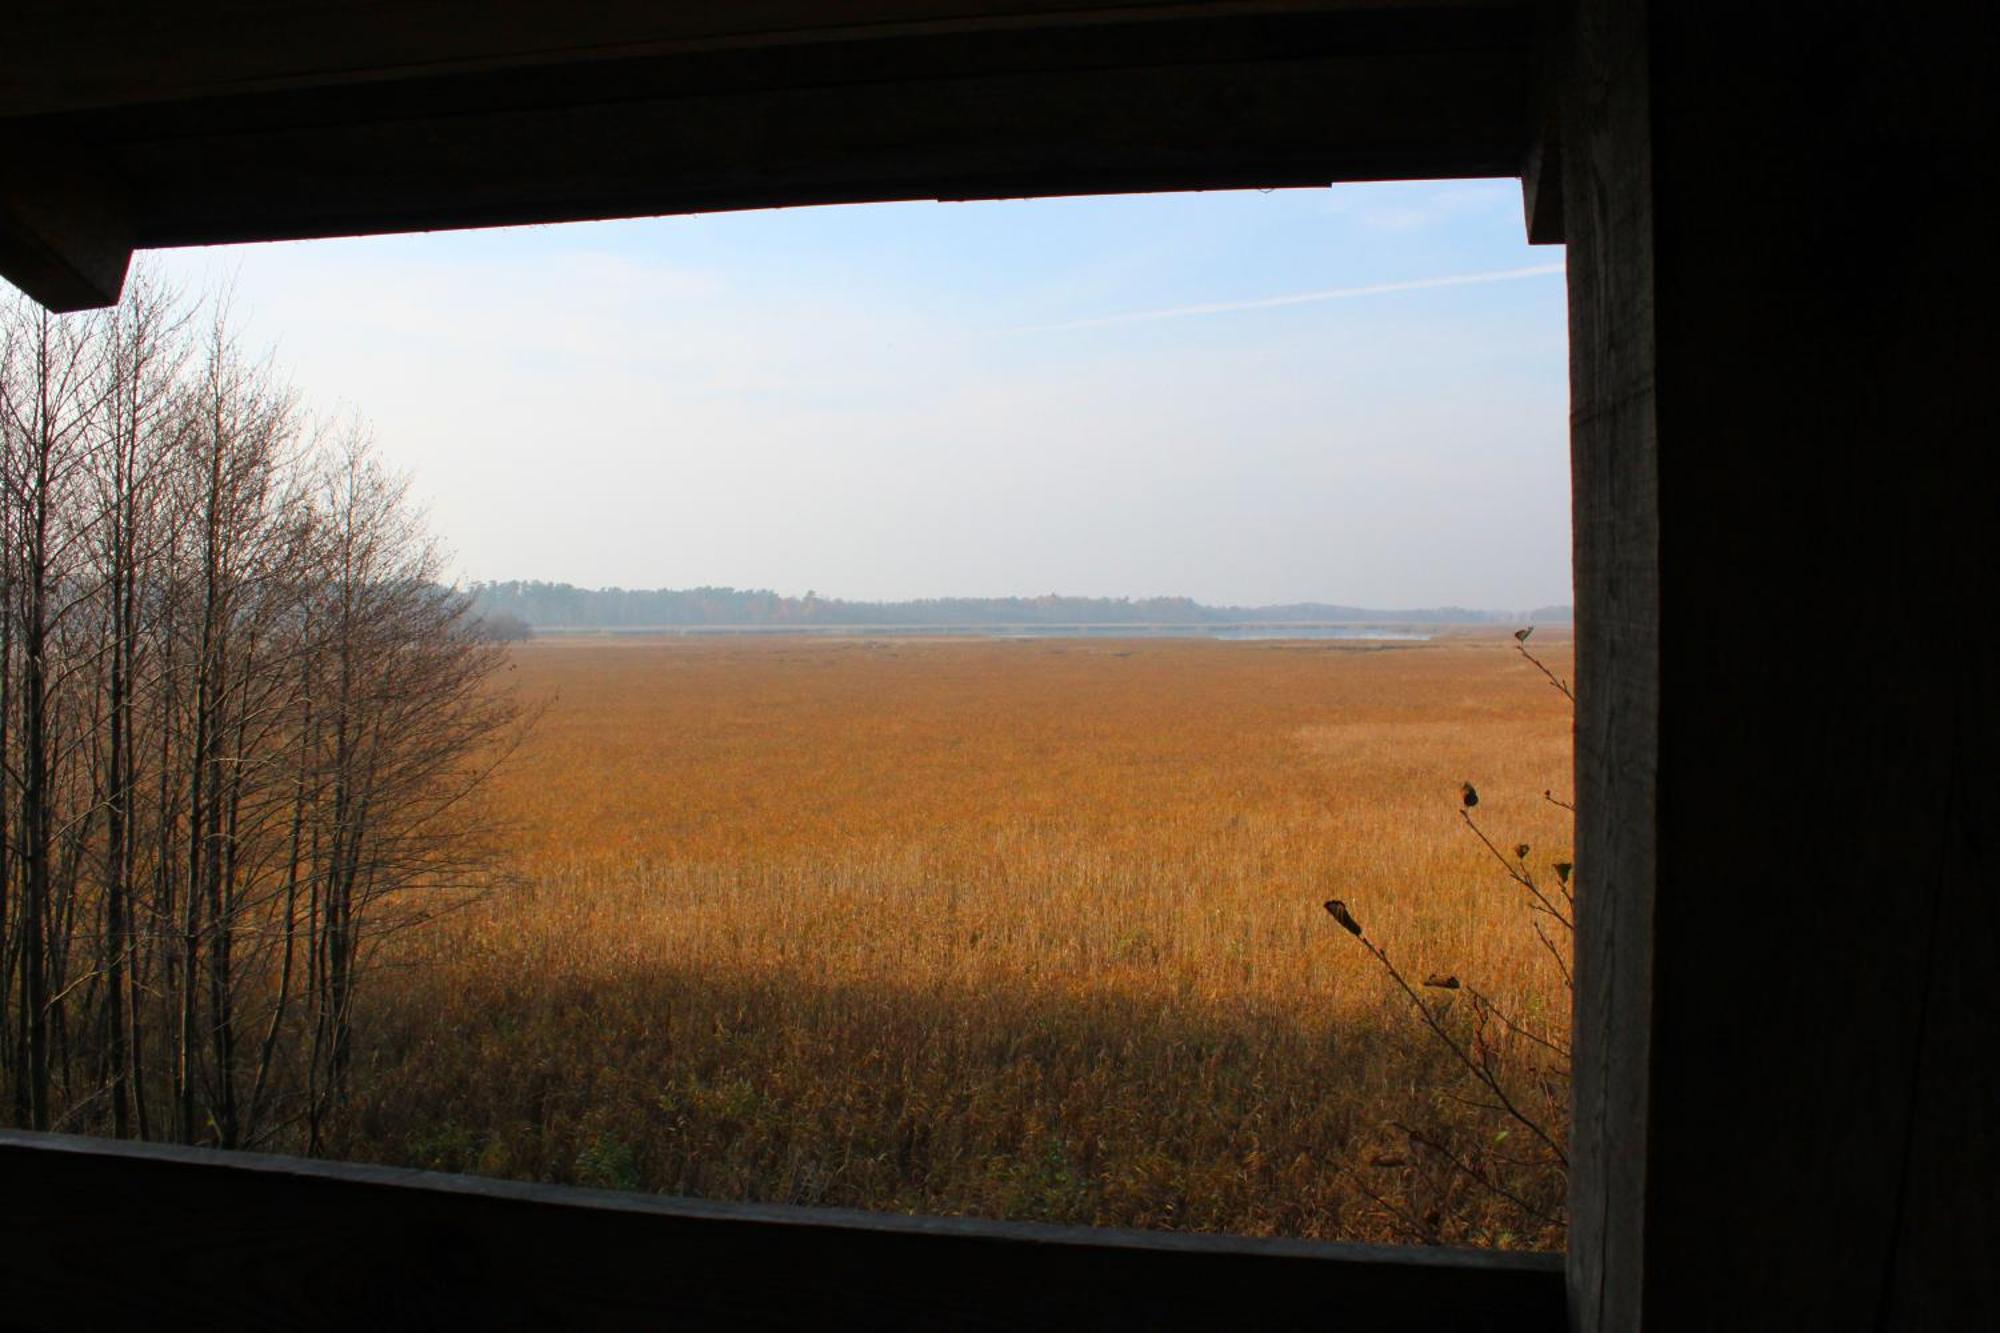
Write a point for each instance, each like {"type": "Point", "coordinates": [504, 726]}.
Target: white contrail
{"type": "Point", "coordinates": [1303, 298]}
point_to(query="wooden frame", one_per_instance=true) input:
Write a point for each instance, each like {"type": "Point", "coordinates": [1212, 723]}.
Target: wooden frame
{"type": "Point", "coordinates": [1785, 1100]}
{"type": "Point", "coordinates": [233, 1240]}
{"type": "Point", "coordinates": [186, 127]}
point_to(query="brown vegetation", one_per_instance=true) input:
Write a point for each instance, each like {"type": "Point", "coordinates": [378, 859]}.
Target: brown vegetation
{"type": "Point", "coordinates": [1024, 929]}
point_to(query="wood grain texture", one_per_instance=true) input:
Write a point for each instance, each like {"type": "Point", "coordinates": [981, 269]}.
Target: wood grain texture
{"type": "Point", "coordinates": [1823, 1095]}
{"type": "Point", "coordinates": [1616, 528]}
{"type": "Point", "coordinates": [1277, 121]}
{"type": "Point", "coordinates": [68, 55]}
{"type": "Point", "coordinates": [1204, 96]}
{"type": "Point", "coordinates": [1786, 714]}
{"type": "Point", "coordinates": [243, 1241]}
{"type": "Point", "coordinates": [1542, 160]}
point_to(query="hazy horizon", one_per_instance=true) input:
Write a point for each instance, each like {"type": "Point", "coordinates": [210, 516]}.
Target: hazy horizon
{"type": "Point", "coordinates": [1355, 396]}
{"type": "Point", "coordinates": [827, 595]}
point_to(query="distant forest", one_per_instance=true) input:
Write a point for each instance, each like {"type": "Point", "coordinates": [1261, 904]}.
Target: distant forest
{"type": "Point", "coordinates": [563, 606]}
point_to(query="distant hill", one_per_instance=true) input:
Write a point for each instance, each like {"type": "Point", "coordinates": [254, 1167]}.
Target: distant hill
{"type": "Point", "coordinates": [549, 606]}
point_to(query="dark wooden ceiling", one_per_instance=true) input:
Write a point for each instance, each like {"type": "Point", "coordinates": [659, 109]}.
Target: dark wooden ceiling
{"type": "Point", "coordinates": [129, 124]}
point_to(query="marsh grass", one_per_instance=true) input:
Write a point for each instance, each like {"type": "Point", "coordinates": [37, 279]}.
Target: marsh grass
{"type": "Point", "coordinates": [1011, 929]}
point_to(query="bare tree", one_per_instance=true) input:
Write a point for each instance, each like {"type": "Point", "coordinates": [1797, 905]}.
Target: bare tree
{"type": "Point", "coordinates": [243, 719]}
{"type": "Point", "coordinates": [49, 410]}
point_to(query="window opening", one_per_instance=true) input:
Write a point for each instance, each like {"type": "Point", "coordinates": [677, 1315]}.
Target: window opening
{"type": "Point", "coordinates": [905, 707]}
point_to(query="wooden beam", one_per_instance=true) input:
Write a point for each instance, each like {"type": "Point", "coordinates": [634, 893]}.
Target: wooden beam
{"type": "Point", "coordinates": [1007, 134]}
{"type": "Point", "coordinates": [1615, 526]}
{"type": "Point", "coordinates": [66, 234]}
{"type": "Point", "coordinates": [1542, 187]}
{"type": "Point", "coordinates": [1785, 1088]}
{"type": "Point", "coordinates": [1541, 165]}
{"type": "Point", "coordinates": [1827, 920]}
{"type": "Point", "coordinates": [1201, 96]}
{"type": "Point", "coordinates": [77, 55]}
{"type": "Point", "coordinates": [240, 1240]}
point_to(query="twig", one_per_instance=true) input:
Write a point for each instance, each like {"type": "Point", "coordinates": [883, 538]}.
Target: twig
{"type": "Point", "coordinates": [1478, 1070]}
{"type": "Point", "coordinates": [1521, 647]}
{"type": "Point", "coordinates": [1515, 872]}
{"type": "Point", "coordinates": [1562, 964]}
{"type": "Point", "coordinates": [1412, 1225]}
{"type": "Point", "coordinates": [1479, 1000]}
{"type": "Point", "coordinates": [1473, 1172]}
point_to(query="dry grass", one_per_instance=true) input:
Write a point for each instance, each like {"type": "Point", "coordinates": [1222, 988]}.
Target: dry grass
{"type": "Point", "coordinates": [1018, 929]}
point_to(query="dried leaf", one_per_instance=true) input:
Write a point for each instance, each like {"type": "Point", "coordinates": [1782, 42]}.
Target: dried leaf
{"type": "Point", "coordinates": [1338, 911]}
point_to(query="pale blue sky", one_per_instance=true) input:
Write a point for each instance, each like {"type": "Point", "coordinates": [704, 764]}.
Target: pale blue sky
{"type": "Point", "coordinates": [908, 400]}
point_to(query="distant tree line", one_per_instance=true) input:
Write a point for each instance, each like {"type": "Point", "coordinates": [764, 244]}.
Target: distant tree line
{"type": "Point", "coordinates": [240, 718]}
{"type": "Point", "coordinates": [502, 627]}
{"type": "Point", "coordinates": [563, 606]}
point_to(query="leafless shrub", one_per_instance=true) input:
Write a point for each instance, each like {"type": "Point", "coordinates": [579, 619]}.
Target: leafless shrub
{"type": "Point", "coordinates": [1486, 1161]}
{"type": "Point", "coordinates": [242, 718]}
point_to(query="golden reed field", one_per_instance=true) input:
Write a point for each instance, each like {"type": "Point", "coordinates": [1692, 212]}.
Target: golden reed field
{"type": "Point", "coordinates": [1020, 929]}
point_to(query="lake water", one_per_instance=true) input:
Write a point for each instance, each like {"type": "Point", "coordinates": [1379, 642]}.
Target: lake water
{"type": "Point", "coordinates": [1405, 633]}
{"type": "Point", "coordinates": [1319, 632]}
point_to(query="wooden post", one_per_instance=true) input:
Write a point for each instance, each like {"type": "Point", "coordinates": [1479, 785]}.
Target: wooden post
{"type": "Point", "coordinates": [1783, 308]}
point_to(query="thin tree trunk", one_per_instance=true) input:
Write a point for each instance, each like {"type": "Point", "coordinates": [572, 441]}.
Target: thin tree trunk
{"type": "Point", "coordinates": [35, 794]}
{"type": "Point", "coordinates": [292, 866]}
